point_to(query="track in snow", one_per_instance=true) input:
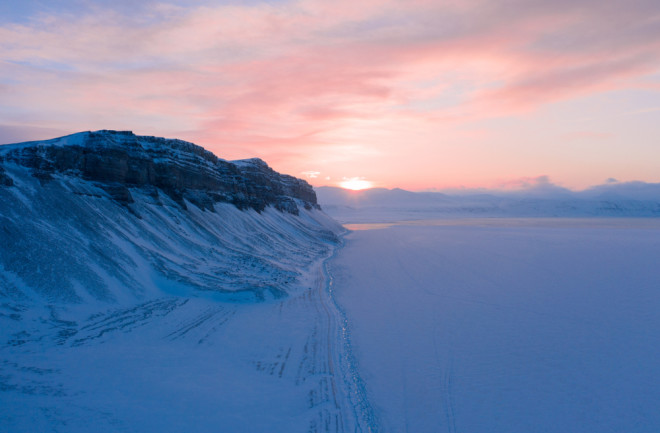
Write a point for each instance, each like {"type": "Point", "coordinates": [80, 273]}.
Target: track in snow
{"type": "Point", "coordinates": [172, 363]}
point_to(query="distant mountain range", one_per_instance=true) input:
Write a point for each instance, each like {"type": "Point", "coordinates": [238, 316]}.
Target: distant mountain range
{"type": "Point", "coordinates": [630, 199]}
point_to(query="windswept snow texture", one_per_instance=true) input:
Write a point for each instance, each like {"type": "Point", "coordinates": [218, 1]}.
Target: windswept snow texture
{"type": "Point", "coordinates": [164, 316]}
{"type": "Point", "coordinates": [500, 325]}
{"type": "Point", "coordinates": [67, 241]}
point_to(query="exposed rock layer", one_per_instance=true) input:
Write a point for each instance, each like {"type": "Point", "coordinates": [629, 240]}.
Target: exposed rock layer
{"type": "Point", "coordinates": [118, 161]}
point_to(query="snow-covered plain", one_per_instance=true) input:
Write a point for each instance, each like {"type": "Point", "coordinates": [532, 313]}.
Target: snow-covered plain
{"type": "Point", "coordinates": [176, 364]}
{"type": "Point", "coordinates": [505, 325]}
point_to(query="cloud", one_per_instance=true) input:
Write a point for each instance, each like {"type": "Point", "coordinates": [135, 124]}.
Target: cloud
{"type": "Point", "coordinates": [288, 78]}
{"type": "Point", "coordinates": [526, 183]}
{"type": "Point", "coordinates": [311, 174]}
{"type": "Point", "coordinates": [542, 187]}
{"type": "Point", "coordinates": [568, 78]}
{"type": "Point", "coordinates": [538, 187]}
{"type": "Point", "coordinates": [634, 190]}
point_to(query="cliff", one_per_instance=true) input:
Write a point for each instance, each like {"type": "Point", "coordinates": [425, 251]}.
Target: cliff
{"type": "Point", "coordinates": [110, 216]}
{"type": "Point", "coordinates": [147, 284]}
{"type": "Point", "coordinates": [120, 161]}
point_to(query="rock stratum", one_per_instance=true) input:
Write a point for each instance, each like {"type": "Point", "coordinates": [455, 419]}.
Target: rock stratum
{"type": "Point", "coordinates": [118, 161]}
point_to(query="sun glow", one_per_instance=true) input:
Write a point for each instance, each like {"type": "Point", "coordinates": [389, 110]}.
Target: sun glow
{"type": "Point", "coordinates": [356, 184]}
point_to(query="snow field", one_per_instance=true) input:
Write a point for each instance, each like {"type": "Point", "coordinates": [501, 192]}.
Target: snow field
{"type": "Point", "coordinates": [177, 364]}
{"type": "Point", "coordinates": [509, 325]}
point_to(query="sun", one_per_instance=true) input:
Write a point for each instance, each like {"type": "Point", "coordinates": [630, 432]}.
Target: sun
{"type": "Point", "coordinates": [355, 183]}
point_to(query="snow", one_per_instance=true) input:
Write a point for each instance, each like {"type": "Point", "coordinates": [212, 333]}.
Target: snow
{"type": "Point", "coordinates": [169, 363]}
{"type": "Point", "coordinates": [630, 199]}
{"type": "Point", "coordinates": [505, 325]}
{"type": "Point", "coordinates": [160, 319]}
{"type": "Point", "coordinates": [175, 365]}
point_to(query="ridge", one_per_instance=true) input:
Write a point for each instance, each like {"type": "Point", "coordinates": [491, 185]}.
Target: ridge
{"type": "Point", "coordinates": [121, 161]}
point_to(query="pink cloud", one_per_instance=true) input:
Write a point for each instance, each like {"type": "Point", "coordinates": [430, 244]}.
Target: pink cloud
{"type": "Point", "coordinates": [558, 79]}
{"type": "Point", "coordinates": [260, 57]}
{"type": "Point", "coordinates": [293, 79]}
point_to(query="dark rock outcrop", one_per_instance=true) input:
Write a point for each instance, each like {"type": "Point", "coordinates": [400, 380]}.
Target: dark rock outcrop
{"type": "Point", "coordinates": [118, 161]}
{"type": "Point", "coordinates": [5, 180]}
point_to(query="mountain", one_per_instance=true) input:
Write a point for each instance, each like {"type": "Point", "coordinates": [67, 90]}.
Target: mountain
{"type": "Point", "coordinates": [117, 161]}
{"type": "Point", "coordinates": [148, 285]}
{"type": "Point", "coordinates": [630, 199]}
{"type": "Point", "coordinates": [88, 214]}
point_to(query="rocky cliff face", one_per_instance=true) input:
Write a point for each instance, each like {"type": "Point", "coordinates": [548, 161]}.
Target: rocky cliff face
{"type": "Point", "coordinates": [111, 216]}
{"type": "Point", "coordinates": [119, 162]}
{"type": "Point", "coordinates": [142, 258]}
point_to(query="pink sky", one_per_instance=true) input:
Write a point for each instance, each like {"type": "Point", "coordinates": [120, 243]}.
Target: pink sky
{"type": "Point", "coordinates": [415, 94]}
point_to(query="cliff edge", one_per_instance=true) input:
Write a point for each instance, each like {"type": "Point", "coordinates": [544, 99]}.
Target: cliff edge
{"type": "Point", "coordinates": [120, 161]}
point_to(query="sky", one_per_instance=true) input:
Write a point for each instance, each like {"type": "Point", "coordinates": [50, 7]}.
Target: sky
{"type": "Point", "coordinates": [415, 94]}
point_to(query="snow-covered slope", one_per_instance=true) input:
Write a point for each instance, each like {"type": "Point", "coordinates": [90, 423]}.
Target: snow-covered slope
{"type": "Point", "coordinates": [108, 216]}
{"type": "Point", "coordinates": [147, 285]}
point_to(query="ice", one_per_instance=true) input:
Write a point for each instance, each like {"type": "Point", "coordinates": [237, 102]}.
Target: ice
{"type": "Point", "coordinates": [506, 325]}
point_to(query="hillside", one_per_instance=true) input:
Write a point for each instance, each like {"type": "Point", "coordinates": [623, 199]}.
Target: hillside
{"type": "Point", "coordinates": [148, 285]}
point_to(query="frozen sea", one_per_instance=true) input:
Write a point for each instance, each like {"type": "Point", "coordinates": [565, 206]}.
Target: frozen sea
{"type": "Point", "coordinates": [505, 325]}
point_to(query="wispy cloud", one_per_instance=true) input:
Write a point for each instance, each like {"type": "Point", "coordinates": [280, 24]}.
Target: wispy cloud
{"type": "Point", "coordinates": [310, 174]}
{"type": "Point", "coordinates": [289, 78]}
